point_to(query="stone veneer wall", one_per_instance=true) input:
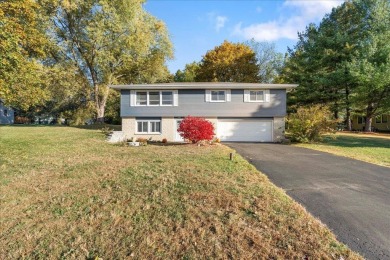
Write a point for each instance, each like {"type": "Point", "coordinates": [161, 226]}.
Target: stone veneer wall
{"type": "Point", "coordinates": [279, 129]}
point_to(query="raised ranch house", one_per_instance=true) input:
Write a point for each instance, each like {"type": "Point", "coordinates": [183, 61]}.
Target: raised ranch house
{"type": "Point", "coordinates": [248, 112]}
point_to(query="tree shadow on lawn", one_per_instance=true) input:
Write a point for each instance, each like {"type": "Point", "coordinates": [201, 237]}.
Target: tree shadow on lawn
{"type": "Point", "coordinates": [349, 141]}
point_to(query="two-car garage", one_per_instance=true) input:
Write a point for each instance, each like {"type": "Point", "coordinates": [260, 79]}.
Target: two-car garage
{"type": "Point", "coordinates": [245, 130]}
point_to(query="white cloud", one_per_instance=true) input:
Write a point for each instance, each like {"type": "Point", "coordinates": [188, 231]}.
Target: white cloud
{"type": "Point", "coordinates": [313, 9]}
{"type": "Point", "coordinates": [303, 13]}
{"type": "Point", "coordinates": [218, 21]}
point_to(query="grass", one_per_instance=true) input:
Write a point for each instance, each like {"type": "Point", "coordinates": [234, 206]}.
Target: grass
{"type": "Point", "coordinates": [66, 193]}
{"type": "Point", "coordinates": [369, 148]}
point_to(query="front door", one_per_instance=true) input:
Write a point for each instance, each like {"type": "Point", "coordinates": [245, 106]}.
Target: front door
{"type": "Point", "coordinates": [178, 138]}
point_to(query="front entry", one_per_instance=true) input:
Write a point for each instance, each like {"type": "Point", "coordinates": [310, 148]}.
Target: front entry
{"type": "Point", "coordinates": [178, 138]}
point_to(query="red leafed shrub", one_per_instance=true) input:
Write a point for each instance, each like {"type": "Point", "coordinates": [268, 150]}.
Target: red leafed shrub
{"type": "Point", "coordinates": [196, 129]}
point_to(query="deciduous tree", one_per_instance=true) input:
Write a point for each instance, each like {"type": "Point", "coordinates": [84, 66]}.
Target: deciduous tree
{"type": "Point", "coordinates": [229, 62]}
{"type": "Point", "coordinates": [110, 42]}
{"type": "Point", "coordinates": [188, 74]}
{"type": "Point", "coordinates": [269, 61]}
{"type": "Point", "coordinates": [23, 44]}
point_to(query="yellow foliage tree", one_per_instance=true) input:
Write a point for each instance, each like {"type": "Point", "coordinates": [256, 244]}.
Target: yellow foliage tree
{"type": "Point", "coordinates": [229, 62]}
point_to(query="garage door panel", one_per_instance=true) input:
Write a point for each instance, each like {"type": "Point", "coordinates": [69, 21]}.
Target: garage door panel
{"type": "Point", "coordinates": [245, 131]}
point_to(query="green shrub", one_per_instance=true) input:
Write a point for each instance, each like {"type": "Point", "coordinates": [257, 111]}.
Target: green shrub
{"type": "Point", "coordinates": [308, 124]}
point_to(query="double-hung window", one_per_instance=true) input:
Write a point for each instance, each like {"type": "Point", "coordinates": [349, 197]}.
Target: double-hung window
{"type": "Point", "coordinates": [153, 98]}
{"type": "Point", "coordinates": [142, 98]}
{"type": "Point", "coordinates": [148, 126]}
{"type": "Point", "coordinates": [166, 98]}
{"type": "Point", "coordinates": [218, 96]}
{"type": "Point", "coordinates": [256, 96]}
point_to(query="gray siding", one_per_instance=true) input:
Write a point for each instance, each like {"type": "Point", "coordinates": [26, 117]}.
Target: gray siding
{"type": "Point", "coordinates": [6, 119]}
{"type": "Point", "coordinates": [192, 102]}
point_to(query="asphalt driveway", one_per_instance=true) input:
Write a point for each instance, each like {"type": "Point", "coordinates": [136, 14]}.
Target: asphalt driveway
{"type": "Point", "coordinates": [351, 197]}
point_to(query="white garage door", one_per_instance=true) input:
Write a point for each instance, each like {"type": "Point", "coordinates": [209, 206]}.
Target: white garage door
{"type": "Point", "coordinates": [236, 130]}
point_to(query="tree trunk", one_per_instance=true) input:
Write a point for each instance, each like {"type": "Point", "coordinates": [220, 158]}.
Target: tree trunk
{"type": "Point", "coordinates": [369, 115]}
{"type": "Point", "coordinates": [348, 109]}
{"type": "Point", "coordinates": [100, 114]}
{"type": "Point", "coordinates": [101, 100]}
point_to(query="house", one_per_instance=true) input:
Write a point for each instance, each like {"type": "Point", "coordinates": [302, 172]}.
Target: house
{"type": "Point", "coordinates": [6, 114]}
{"type": "Point", "coordinates": [249, 112]}
{"type": "Point", "coordinates": [380, 123]}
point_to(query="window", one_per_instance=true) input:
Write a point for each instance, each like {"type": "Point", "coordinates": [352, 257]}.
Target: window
{"type": "Point", "coordinates": [149, 126]}
{"type": "Point", "coordinates": [5, 112]}
{"type": "Point", "coordinates": [378, 119]}
{"type": "Point", "coordinates": [256, 96]}
{"type": "Point", "coordinates": [167, 98]}
{"type": "Point", "coordinates": [142, 127]}
{"type": "Point", "coordinates": [155, 127]}
{"type": "Point", "coordinates": [384, 119]}
{"type": "Point", "coordinates": [218, 96]}
{"type": "Point", "coordinates": [153, 98]}
{"type": "Point", "coordinates": [142, 98]}
{"type": "Point", "coordinates": [361, 120]}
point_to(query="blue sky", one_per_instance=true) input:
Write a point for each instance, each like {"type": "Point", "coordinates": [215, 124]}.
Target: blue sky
{"type": "Point", "coordinates": [198, 26]}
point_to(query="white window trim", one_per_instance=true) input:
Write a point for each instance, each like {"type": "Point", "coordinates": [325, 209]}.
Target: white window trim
{"type": "Point", "coordinates": [149, 132]}
{"type": "Point", "coordinates": [247, 96]}
{"type": "Point", "coordinates": [209, 96]}
{"type": "Point", "coordinates": [133, 98]}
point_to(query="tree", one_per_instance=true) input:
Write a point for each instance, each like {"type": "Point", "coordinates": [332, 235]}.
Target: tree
{"type": "Point", "coordinates": [188, 74]}
{"type": "Point", "coordinates": [110, 42]}
{"type": "Point", "coordinates": [326, 59]}
{"type": "Point", "coordinates": [229, 62]}
{"type": "Point", "coordinates": [371, 68]}
{"type": "Point", "coordinates": [23, 45]}
{"type": "Point", "coordinates": [269, 61]}
{"type": "Point", "coordinates": [196, 129]}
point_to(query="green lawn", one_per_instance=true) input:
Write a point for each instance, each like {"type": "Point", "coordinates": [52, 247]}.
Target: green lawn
{"type": "Point", "coordinates": [373, 149]}
{"type": "Point", "coordinates": [66, 193]}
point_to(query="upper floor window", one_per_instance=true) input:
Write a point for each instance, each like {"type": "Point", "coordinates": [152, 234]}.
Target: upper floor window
{"type": "Point", "coordinates": [142, 98]}
{"type": "Point", "coordinates": [256, 96]}
{"type": "Point", "coordinates": [153, 98]}
{"type": "Point", "coordinates": [167, 98]}
{"type": "Point", "coordinates": [218, 96]}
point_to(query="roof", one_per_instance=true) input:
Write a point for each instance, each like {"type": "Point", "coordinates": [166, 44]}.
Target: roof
{"type": "Point", "coordinates": [204, 85]}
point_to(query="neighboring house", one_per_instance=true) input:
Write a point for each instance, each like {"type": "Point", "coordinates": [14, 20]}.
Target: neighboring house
{"type": "Point", "coordinates": [6, 114]}
{"type": "Point", "coordinates": [249, 112]}
{"type": "Point", "coordinates": [380, 123]}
